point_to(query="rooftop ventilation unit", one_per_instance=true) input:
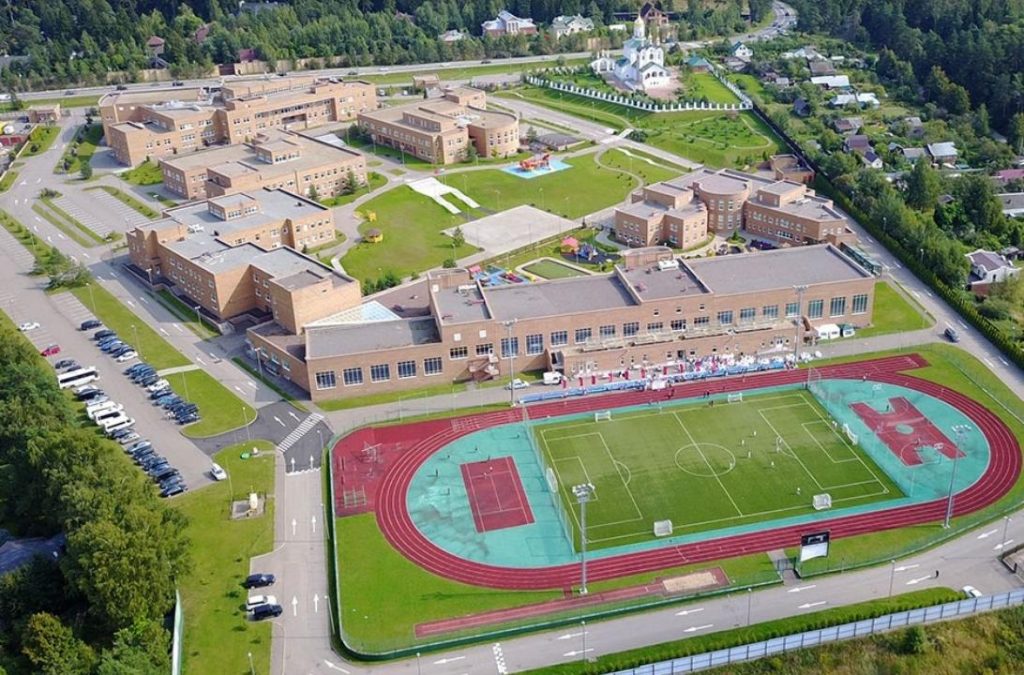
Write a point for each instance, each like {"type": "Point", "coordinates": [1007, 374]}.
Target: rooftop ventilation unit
{"type": "Point", "coordinates": [195, 227]}
{"type": "Point", "coordinates": [664, 265]}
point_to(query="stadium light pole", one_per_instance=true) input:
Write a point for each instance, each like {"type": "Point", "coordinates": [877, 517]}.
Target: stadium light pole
{"type": "Point", "coordinates": [958, 430]}
{"type": "Point", "coordinates": [583, 492]}
{"type": "Point", "coordinates": [892, 575]}
{"type": "Point", "coordinates": [509, 325]}
{"type": "Point", "coordinates": [799, 319]}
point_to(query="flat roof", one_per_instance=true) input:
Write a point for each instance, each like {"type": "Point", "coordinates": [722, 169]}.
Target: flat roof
{"type": "Point", "coordinates": [774, 270]}
{"type": "Point", "coordinates": [558, 297]}
{"type": "Point", "coordinates": [330, 341]}
{"type": "Point", "coordinates": [232, 160]}
{"type": "Point", "coordinates": [461, 305]}
{"type": "Point", "coordinates": [653, 283]}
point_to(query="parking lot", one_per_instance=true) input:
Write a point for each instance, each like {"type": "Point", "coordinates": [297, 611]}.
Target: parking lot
{"type": "Point", "coordinates": [118, 217]}
{"type": "Point", "coordinates": [59, 318]}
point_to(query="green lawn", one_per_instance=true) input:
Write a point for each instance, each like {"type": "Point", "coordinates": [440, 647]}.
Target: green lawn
{"type": "Point", "coordinates": [66, 223]}
{"type": "Point", "coordinates": [700, 86]}
{"type": "Point", "coordinates": [412, 223]}
{"type": "Point", "coordinates": [10, 177]}
{"type": "Point", "coordinates": [893, 313]}
{"type": "Point", "coordinates": [186, 314]}
{"type": "Point", "coordinates": [729, 464]}
{"type": "Point", "coordinates": [40, 140]}
{"type": "Point", "coordinates": [370, 148]}
{"type": "Point", "coordinates": [151, 347]}
{"type": "Point", "coordinates": [218, 637]}
{"type": "Point", "coordinates": [221, 410]}
{"type": "Point", "coordinates": [73, 159]}
{"type": "Point", "coordinates": [147, 173]}
{"type": "Point", "coordinates": [718, 139]}
{"type": "Point", "coordinates": [390, 397]}
{"type": "Point", "coordinates": [126, 198]}
{"type": "Point", "coordinates": [649, 170]}
{"type": "Point", "coordinates": [552, 269]}
{"type": "Point", "coordinates": [384, 595]}
{"type": "Point", "coordinates": [373, 181]}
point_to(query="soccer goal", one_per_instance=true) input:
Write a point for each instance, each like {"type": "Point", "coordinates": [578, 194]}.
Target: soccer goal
{"type": "Point", "coordinates": [822, 501]}
{"type": "Point", "coordinates": [663, 528]}
{"type": "Point", "coordinates": [850, 434]}
{"type": "Point", "coordinates": [735, 398]}
{"type": "Point", "coordinates": [603, 416]}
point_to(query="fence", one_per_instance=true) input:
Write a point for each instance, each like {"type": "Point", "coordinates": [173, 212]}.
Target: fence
{"type": "Point", "coordinates": [178, 638]}
{"type": "Point", "coordinates": [647, 106]}
{"type": "Point", "coordinates": [846, 631]}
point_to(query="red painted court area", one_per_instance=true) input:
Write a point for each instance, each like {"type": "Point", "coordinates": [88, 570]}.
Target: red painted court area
{"type": "Point", "coordinates": [905, 430]}
{"type": "Point", "coordinates": [496, 495]}
{"type": "Point", "coordinates": [415, 443]}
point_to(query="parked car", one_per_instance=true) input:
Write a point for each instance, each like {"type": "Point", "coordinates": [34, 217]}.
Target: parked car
{"type": "Point", "coordinates": [89, 393]}
{"type": "Point", "coordinates": [90, 324]}
{"type": "Point", "coordinates": [217, 472]}
{"type": "Point", "coordinates": [167, 476]}
{"type": "Point", "coordinates": [951, 334]}
{"type": "Point", "coordinates": [159, 384]}
{"type": "Point", "coordinates": [126, 356]}
{"type": "Point", "coordinates": [130, 437]}
{"type": "Point", "coordinates": [66, 363]}
{"type": "Point", "coordinates": [160, 393]}
{"type": "Point", "coordinates": [27, 326]}
{"type": "Point", "coordinates": [103, 334]}
{"type": "Point", "coordinates": [177, 83]}
{"type": "Point", "coordinates": [266, 612]}
{"type": "Point", "coordinates": [254, 601]}
{"type": "Point", "coordinates": [50, 350]}
{"type": "Point", "coordinates": [517, 384]}
{"type": "Point", "coordinates": [972, 592]}
{"type": "Point", "coordinates": [259, 580]}
{"type": "Point", "coordinates": [172, 490]}
{"type": "Point", "coordinates": [135, 367]}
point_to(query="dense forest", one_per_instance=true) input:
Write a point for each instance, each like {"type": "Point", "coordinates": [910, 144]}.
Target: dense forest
{"type": "Point", "coordinates": [80, 41]}
{"type": "Point", "coordinates": [100, 607]}
{"type": "Point", "coordinates": [963, 53]}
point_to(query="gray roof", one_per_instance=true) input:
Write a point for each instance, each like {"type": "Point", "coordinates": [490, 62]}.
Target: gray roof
{"type": "Point", "coordinates": [987, 260]}
{"type": "Point", "coordinates": [774, 270]}
{"type": "Point", "coordinates": [369, 337]}
{"type": "Point", "coordinates": [557, 298]}
{"type": "Point", "coordinates": [652, 283]}
{"type": "Point", "coordinates": [944, 149]}
{"type": "Point", "coordinates": [461, 306]}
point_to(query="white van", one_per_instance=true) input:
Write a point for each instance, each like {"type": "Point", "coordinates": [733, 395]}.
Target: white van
{"type": "Point", "coordinates": [552, 377]}
{"type": "Point", "coordinates": [111, 430]}
{"type": "Point", "coordinates": [106, 411]}
{"type": "Point", "coordinates": [103, 417]}
{"type": "Point", "coordinates": [110, 424]}
{"type": "Point", "coordinates": [828, 331]}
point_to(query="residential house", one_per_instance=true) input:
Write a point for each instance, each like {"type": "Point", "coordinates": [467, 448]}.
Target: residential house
{"type": "Point", "coordinates": [848, 125]}
{"type": "Point", "coordinates": [653, 16]}
{"type": "Point", "coordinates": [871, 159]}
{"type": "Point", "coordinates": [451, 36]}
{"type": "Point", "coordinates": [943, 153]}
{"type": "Point", "coordinates": [734, 64]}
{"type": "Point", "coordinates": [987, 268]}
{"type": "Point", "coordinates": [741, 51]}
{"type": "Point", "coordinates": [858, 143]}
{"type": "Point", "coordinates": [861, 100]}
{"type": "Point", "coordinates": [791, 168]}
{"type": "Point", "coordinates": [1008, 176]}
{"type": "Point", "coordinates": [508, 23]}
{"type": "Point", "coordinates": [914, 154]}
{"type": "Point", "coordinates": [819, 67]}
{"type": "Point", "coordinates": [1012, 204]}
{"type": "Point", "coordinates": [570, 25]}
{"type": "Point", "coordinates": [44, 114]}
{"type": "Point", "coordinates": [913, 127]}
{"type": "Point", "coordinates": [832, 81]}
{"type": "Point", "coordinates": [808, 52]}
{"type": "Point", "coordinates": [801, 108]}
{"type": "Point", "coordinates": [698, 64]}
{"type": "Point", "coordinates": [155, 46]}
{"type": "Point", "coordinates": [425, 82]}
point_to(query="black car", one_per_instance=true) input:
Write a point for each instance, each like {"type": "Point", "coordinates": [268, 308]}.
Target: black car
{"type": "Point", "coordinates": [121, 433]}
{"type": "Point", "coordinates": [90, 324]}
{"type": "Point", "coordinates": [86, 394]}
{"type": "Point", "coordinates": [138, 446]}
{"type": "Point", "coordinates": [140, 375]}
{"type": "Point", "coordinates": [152, 460]}
{"type": "Point", "coordinates": [65, 363]}
{"type": "Point", "coordinates": [160, 393]}
{"type": "Point", "coordinates": [144, 455]}
{"type": "Point", "coordinates": [259, 581]}
{"type": "Point", "coordinates": [148, 380]}
{"type": "Point", "coordinates": [103, 334]}
{"type": "Point", "coordinates": [166, 477]}
{"type": "Point", "coordinates": [177, 83]}
{"type": "Point", "coordinates": [136, 367]}
{"type": "Point", "coordinates": [173, 490]}
{"type": "Point", "coordinates": [262, 612]}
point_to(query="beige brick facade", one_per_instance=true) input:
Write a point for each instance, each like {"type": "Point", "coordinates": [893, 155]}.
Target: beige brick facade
{"type": "Point", "coordinates": [141, 125]}
{"type": "Point", "coordinates": [440, 130]}
{"type": "Point", "coordinates": [274, 159]}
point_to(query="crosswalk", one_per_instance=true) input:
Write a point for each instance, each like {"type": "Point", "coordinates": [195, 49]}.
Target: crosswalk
{"type": "Point", "coordinates": [298, 432]}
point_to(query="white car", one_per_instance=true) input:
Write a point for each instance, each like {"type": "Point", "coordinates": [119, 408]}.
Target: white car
{"type": "Point", "coordinates": [255, 601]}
{"type": "Point", "coordinates": [218, 472]}
{"type": "Point", "coordinates": [517, 384]}
{"type": "Point", "coordinates": [971, 592]}
{"type": "Point", "coordinates": [159, 384]}
{"type": "Point", "coordinates": [28, 325]}
{"type": "Point", "coordinates": [127, 356]}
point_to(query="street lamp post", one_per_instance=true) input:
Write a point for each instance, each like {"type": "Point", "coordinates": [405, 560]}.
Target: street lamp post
{"type": "Point", "coordinates": [138, 348]}
{"type": "Point", "coordinates": [583, 492]}
{"type": "Point", "coordinates": [750, 599]}
{"type": "Point", "coordinates": [799, 319]}
{"type": "Point", "coordinates": [509, 325]}
{"type": "Point", "coordinates": [199, 317]}
{"type": "Point", "coordinates": [252, 669]}
{"type": "Point", "coordinates": [92, 299]}
{"type": "Point", "coordinates": [959, 431]}
{"type": "Point", "coordinates": [892, 575]}
{"type": "Point", "coordinates": [1006, 527]}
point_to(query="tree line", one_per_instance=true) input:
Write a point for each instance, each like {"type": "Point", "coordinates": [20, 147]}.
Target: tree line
{"type": "Point", "coordinates": [99, 607]}
{"type": "Point", "coordinates": [81, 41]}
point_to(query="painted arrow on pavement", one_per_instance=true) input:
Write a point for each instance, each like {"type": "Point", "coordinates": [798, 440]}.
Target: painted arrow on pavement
{"type": "Point", "coordinates": [278, 420]}
{"type": "Point", "coordinates": [808, 605]}
{"type": "Point", "coordinates": [694, 629]}
{"type": "Point", "coordinates": [920, 579]}
{"type": "Point", "coordinates": [802, 588]}
{"type": "Point", "coordinates": [295, 606]}
{"type": "Point", "coordinates": [568, 636]}
{"type": "Point", "coordinates": [448, 659]}
{"type": "Point", "coordinates": [577, 652]}
{"type": "Point", "coordinates": [904, 568]}
{"type": "Point", "coordinates": [685, 612]}
{"type": "Point", "coordinates": [986, 535]}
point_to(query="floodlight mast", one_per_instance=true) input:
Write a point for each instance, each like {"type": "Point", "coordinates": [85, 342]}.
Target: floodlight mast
{"type": "Point", "coordinates": [583, 492]}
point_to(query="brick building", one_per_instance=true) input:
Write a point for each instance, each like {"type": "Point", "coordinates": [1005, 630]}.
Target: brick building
{"type": "Point", "coordinates": [441, 130]}
{"type": "Point", "coordinates": [651, 310]}
{"type": "Point", "coordinates": [273, 159]}
{"type": "Point", "coordinates": [681, 212]}
{"type": "Point", "coordinates": [237, 255]}
{"type": "Point", "coordinates": [144, 125]}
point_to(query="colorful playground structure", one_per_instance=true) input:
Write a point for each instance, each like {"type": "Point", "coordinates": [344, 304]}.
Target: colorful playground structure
{"type": "Point", "coordinates": [536, 162]}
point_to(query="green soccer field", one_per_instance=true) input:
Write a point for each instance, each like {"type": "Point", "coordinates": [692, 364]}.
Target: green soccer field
{"type": "Point", "coordinates": [707, 467]}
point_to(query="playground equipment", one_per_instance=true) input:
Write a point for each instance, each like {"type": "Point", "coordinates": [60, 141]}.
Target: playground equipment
{"type": "Point", "coordinates": [536, 162]}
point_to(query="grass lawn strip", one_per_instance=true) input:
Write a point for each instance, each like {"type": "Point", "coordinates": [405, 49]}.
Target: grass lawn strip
{"type": "Point", "coordinates": [412, 223]}
{"type": "Point", "coordinates": [893, 313]}
{"type": "Point", "coordinates": [125, 198]}
{"type": "Point", "coordinates": [648, 170]}
{"type": "Point", "coordinates": [187, 315]}
{"type": "Point", "coordinates": [40, 140]}
{"type": "Point", "coordinates": [218, 636]}
{"type": "Point", "coordinates": [147, 173]}
{"type": "Point", "coordinates": [90, 139]}
{"type": "Point", "coordinates": [706, 86]}
{"type": "Point", "coordinates": [552, 269]}
{"type": "Point", "coordinates": [221, 410]}
{"type": "Point", "coordinates": [756, 633]}
{"type": "Point", "coordinates": [390, 397]}
{"type": "Point", "coordinates": [10, 177]}
{"type": "Point", "coordinates": [66, 224]}
{"type": "Point", "coordinates": [456, 72]}
{"type": "Point", "coordinates": [374, 181]}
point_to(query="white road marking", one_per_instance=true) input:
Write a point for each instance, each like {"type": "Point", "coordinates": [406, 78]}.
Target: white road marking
{"type": "Point", "coordinates": [914, 582]}
{"type": "Point", "coordinates": [1003, 361]}
{"type": "Point", "coordinates": [916, 294]}
{"type": "Point", "coordinates": [130, 303]}
{"type": "Point", "coordinates": [986, 535]}
{"type": "Point", "coordinates": [962, 325]}
{"type": "Point", "coordinates": [313, 522]}
{"type": "Point", "coordinates": [334, 666]}
{"type": "Point", "coordinates": [499, 659]}
{"type": "Point", "coordinates": [694, 629]}
{"type": "Point", "coordinates": [238, 389]}
{"type": "Point", "coordinates": [294, 416]}
{"type": "Point", "coordinates": [575, 652]}
{"type": "Point", "coordinates": [990, 364]}
{"type": "Point", "coordinates": [802, 588]}
{"type": "Point", "coordinates": [685, 612]}
{"type": "Point", "coordinates": [178, 328]}
{"type": "Point", "coordinates": [569, 636]}
{"type": "Point", "coordinates": [295, 606]}
{"type": "Point", "coordinates": [448, 659]}
{"type": "Point", "coordinates": [904, 568]}
{"type": "Point", "coordinates": [200, 360]}
{"type": "Point", "coordinates": [162, 330]}
{"type": "Point", "coordinates": [316, 603]}
{"type": "Point", "coordinates": [61, 235]}
{"type": "Point", "coordinates": [143, 298]}
{"type": "Point", "coordinates": [295, 524]}
{"type": "Point", "coordinates": [252, 384]}
{"type": "Point", "coordinates": [86, 254]}
{"type": "Point", "coordinates": [1002, 544]}
{"type": "Point", "coordinates": [808, 605]}
{"type": "Point", "coordinates": [278, 420]}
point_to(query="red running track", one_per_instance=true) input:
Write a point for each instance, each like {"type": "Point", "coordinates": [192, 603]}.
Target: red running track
{"type": "Point", "coordinates": [400, 531]}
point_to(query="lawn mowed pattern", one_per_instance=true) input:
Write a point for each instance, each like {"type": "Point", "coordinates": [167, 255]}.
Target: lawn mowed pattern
{"type": "Point", "coordinates": [690, 464]}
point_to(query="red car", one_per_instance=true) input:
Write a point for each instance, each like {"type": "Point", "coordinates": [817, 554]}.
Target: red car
{"type": "Point", "coordinates": [52, 350]}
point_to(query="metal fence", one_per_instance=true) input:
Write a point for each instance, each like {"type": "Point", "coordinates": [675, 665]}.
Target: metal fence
{"type": "Point", "coordinates": [178, 638]}
{"type": "Point", "coordinates": [846, 631]}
